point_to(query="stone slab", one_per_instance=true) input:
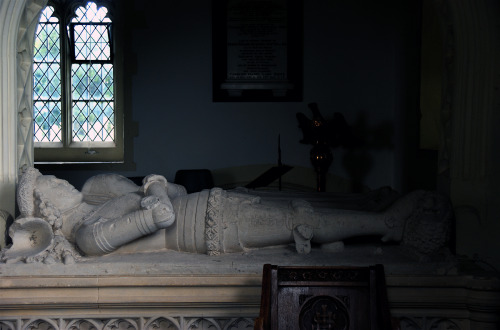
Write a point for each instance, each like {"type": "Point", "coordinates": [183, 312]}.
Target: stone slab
{"type": "Point", "coordinates": [395, 260]}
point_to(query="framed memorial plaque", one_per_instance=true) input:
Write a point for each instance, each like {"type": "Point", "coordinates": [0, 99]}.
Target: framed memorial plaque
{"type": "Point", "coordinates": [257, 50]}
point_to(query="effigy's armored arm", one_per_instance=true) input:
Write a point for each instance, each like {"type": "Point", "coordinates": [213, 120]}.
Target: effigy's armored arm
{"type": "Point", "coordinates": [100, 235]}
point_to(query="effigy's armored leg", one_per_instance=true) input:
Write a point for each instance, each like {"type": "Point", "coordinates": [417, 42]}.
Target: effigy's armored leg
{"type": "Point", "coordinates": [218, 221]}
{"type": "Point", "coordinates": [263, 223]}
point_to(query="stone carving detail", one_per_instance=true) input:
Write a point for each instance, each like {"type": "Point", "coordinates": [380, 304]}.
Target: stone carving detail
{"type": "Point", "coordinates": [42, 325]}
{"type": "Point", "coordinates": [239, 323]}
{"type": "Point", "coordinates": [212, 220]}
{"type": "Point", "coordinates": [132, 323]}
{"type": "Point", "coordinates": [6, 325]}
{"type": "Point", "coordinates": [182, 323]}
{"type": "Point", "coordinates": [423, 230]}
{"type": "Point", "coordinates": [122, 324]}
{"type": "Point", "coordinates": [162, 323]}
{"type": "Point", "coordinates": [429, 323]}
{"type": "Point", "coordinates": [83, 325]}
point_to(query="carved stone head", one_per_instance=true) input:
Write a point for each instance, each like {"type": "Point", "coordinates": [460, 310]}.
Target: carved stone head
{"type": "Point", "coordinates": [45, 195]}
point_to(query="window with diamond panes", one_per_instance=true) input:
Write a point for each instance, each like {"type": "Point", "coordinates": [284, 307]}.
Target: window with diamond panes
{"type": "Point", "coordinates": [47, 79]}
{"type": "Point", "coordinates": [92, 75]}
{"type": "Point", "coordinates": [74, 90]}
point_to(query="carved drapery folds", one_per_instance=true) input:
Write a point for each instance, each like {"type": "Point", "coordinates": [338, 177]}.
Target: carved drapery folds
{"type": "Point", "coordinates": [471, 86]}
{"type": "Point", "coordinates": [469, 159]}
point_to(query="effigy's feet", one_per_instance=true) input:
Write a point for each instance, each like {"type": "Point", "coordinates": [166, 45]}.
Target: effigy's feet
{"type": "Point", "coordinates": [428, 228]}
{"type": "Point", "coordinates": [421, 220]}
{"type": "Point", "coordinates": [397, 215]}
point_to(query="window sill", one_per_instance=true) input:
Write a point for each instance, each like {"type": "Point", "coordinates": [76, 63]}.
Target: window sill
{"type": "Point", "coordinates": [84, 166]}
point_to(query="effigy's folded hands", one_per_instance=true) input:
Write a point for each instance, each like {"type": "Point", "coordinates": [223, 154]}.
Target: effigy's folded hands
{"type": "Point", "coordinates": [154, 187]}
{"type": "Point", "coordinates": [163, 214]}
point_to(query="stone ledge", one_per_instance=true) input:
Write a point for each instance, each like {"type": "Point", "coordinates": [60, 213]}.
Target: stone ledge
{"type": "Point", "coordinates": [469, 301]}
{"type": "Point", "coordinates": [396, 261]}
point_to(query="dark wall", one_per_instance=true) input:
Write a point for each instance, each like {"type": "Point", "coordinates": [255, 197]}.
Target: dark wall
{"type": "Point", "coordinates": [360, 58]}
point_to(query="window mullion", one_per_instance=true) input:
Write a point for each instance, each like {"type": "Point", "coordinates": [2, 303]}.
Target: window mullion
{"type": "Point", "coordinates": [66, 115]}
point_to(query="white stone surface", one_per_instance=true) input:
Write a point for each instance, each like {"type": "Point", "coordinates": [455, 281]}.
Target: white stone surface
{"type": "Point", "coordinates": [112, 212]}
{"type": "Point", "coordinates": [396, 261]}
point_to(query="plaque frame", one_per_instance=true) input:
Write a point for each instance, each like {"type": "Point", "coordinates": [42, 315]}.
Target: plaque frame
{"type": "Point", "coordinates": [288, 89]}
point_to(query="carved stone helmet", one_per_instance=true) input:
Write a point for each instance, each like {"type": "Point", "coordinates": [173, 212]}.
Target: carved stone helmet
{"type": "Point", "coordinates": [31, 236]}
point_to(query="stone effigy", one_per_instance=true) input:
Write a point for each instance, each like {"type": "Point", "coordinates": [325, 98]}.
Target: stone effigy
{"type": "Point", "coordinates": [58, 223]}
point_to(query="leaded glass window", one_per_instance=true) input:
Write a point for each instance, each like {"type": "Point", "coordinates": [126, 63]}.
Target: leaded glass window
{"type": "Point", "coordinates": [92, 75]}
{"type": "Point", "coordinates": [47, 79]}
{"type": "Point", "coordinates": [73, 78]}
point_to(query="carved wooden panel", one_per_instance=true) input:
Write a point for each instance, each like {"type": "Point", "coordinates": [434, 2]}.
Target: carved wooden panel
{"type": "Point", "coordinates": [324, 312]}
{"type": "Point", "coordinates": [339, 298]}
